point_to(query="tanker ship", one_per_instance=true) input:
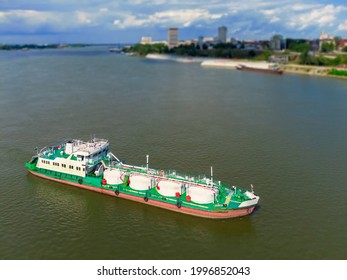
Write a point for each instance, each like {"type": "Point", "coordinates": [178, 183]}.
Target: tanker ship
{"type": "Point", "coordinates": [92, 166]}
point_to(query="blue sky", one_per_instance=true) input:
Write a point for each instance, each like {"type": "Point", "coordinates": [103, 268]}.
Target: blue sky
{"type": "Point", "coordinates": [115, 21]}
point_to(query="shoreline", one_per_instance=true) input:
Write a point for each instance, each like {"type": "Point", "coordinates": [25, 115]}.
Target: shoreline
{"type": "Point", "coordinates": [319, 71]}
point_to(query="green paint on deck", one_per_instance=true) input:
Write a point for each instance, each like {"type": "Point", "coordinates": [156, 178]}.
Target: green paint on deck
{"type": "Point", "coordinates": [228, 198]}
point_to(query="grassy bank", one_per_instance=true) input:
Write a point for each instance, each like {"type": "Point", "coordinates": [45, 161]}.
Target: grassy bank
{"type": "Point", "coordinates": [335, 72]}
{"type": "Point", "coordinates": [314, 70]}
{"type": "Point", "coordinates": [306, 69]}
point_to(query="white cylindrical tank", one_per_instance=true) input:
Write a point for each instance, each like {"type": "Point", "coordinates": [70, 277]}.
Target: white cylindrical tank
{"type": "Point", "coordinates": [112, 177]}
{"type": "Point", "coordinates": [201, 195]}
{"type": "Point", "coordinates": [139, 182]}
{"type": "Point", "coordinates": [169, 188]}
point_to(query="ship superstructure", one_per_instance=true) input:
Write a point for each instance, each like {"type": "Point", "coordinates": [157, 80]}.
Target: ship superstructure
{"type": "Point", "coordinates": [73, 157]}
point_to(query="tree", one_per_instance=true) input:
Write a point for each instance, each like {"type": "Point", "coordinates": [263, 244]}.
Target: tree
{"type": "Point", "coordinates": [336, 41]}
{"type": "Point", "coordinates": [307, 59]}
{"type": "Point", "coordinates": [144, 49]}
{"type": "Point", "coordinates": [327, 47]}
{"type": "Point", "coordinates": [298, 45]}
{"type": "Point", "coordinates": [266, 54]}
{"type": "Point", "coordinates": [251, 53]}
{"type": "Point", "coordinates": [220, 46]}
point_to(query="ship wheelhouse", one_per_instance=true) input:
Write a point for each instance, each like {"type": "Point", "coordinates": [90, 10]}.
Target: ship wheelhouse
{"type": "Point", "coordinates": [73, 157]}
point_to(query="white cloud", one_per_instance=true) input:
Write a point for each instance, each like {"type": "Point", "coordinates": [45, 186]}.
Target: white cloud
{"type": "Point", "coordinates": [305, 18]}
{"type": "Point", "coordinates": [269, 12]}
{"type": "Point", "coordinates": [130, 21]}
{"type": "Point", "coordinates": [256, 5]}
{"type": "Point", "coordinates": [148, 2]}
{"type": "Point", "coordinates": [303, 7]}
{"type": "Point", "coordinates": [185, 17]}
{"type": "Point", "coordinates": [30, 17]}
{"type": "Point", "coordinates": [272, 15]}
{"type": "Point", "coordinates": [179, 18]}
{"type": "Point", "coordinates": [300, 16]}
{"type": "Point", "coordinates": [104, 10]}
{"type": "Point", "coordinates": [32, 20]}
{"type": "Point", "coordinates": [343, 26]}
{"type": "Point", "coordinates": [323, 17]}
{"type": "Point", "coordinates": [275, 19]}
{"type": "Point", "coordinates": [83, 17]}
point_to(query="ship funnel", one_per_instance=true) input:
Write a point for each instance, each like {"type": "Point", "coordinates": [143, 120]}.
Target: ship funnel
{"type": "Point", "coordinates": [69, 148]}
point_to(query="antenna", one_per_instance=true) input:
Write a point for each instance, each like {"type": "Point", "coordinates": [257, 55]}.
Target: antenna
{"type": "Point", "coordinates": [147, 161]}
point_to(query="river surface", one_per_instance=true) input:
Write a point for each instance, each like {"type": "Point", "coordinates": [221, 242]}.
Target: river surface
{"type": "Point", "coordinates": [286, 135]}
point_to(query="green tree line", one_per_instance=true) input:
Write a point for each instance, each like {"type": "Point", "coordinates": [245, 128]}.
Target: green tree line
{"type": "Point", "coordinates": [228, 50]}
{"type": "Point", "coordinates": [308, 59]}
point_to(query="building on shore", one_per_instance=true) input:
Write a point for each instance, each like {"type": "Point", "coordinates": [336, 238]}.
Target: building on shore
{"type": "Point", "coordinates": [222, 34]}
{"type": "Point", "coordinates": [146, 40]}
{"type": "Point", "coordinates": [280, 59]}
{"type": "Point", "coordinates": [173, 37]}
{"type": "Point", "coordinates": [325, 38]}
{"type": "Point", "coordinates": [252, 45]}
{"type": "Point", "coordinates": [205, 42]}
{"type": "Point", "coordinates": [314, 44]}
{"type": "Point", "coordinates": [277, 42]}
{"type": "Point", "coordinates": [342, 44]}
{"type": "Point", "coordinates": [200, 42]}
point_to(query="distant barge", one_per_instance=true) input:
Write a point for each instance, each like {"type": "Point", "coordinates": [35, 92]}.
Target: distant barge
{"type": "Point", "coordinates": [272, 70]}
{"type": "Point", "coordinates": [90, 165]}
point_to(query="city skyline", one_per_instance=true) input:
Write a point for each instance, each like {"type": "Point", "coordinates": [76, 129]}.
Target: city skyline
{"type": "Point", "coordinates": [101, 21]}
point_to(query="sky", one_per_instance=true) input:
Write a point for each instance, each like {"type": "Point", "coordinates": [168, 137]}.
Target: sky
{"type": "Point", "coordinates": [116, 21]}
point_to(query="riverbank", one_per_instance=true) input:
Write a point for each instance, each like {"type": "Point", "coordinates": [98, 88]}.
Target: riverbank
{"type": "Point", "coordinates": [309, 70]}
{"type": "Point", "coordinates": [209, 62]}
{"type": "Point", "coordinates": [26, 47]}
{"type": "Point", "coordinates": [184, 59]}
{"type": "Point", "coordinates": [233, 63]}
{"type": "Point", "coordinates": [306, 69]}
{"type": "Point", "coordinates": [322, 71]}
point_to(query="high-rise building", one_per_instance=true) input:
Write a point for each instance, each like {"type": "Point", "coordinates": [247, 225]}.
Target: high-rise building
{"type": "Point", "coordinates": [277, 42]}
{"type": "Point", "coordinates": [173, 37]}
{"type": "Point", "coordinates": [222, 34]}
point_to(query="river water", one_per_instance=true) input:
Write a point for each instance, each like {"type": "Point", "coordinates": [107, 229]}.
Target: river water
{"type": "Point", "coordinates": [286, 135]}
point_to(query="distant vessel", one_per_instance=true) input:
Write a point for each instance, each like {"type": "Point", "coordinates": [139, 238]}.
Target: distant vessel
{"type": "Point", "coordinates": [271, 70]}
{"type": "Point", "coordinates": [90, 165]}
{"type": "Point", "coordinates": [116, 50]}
